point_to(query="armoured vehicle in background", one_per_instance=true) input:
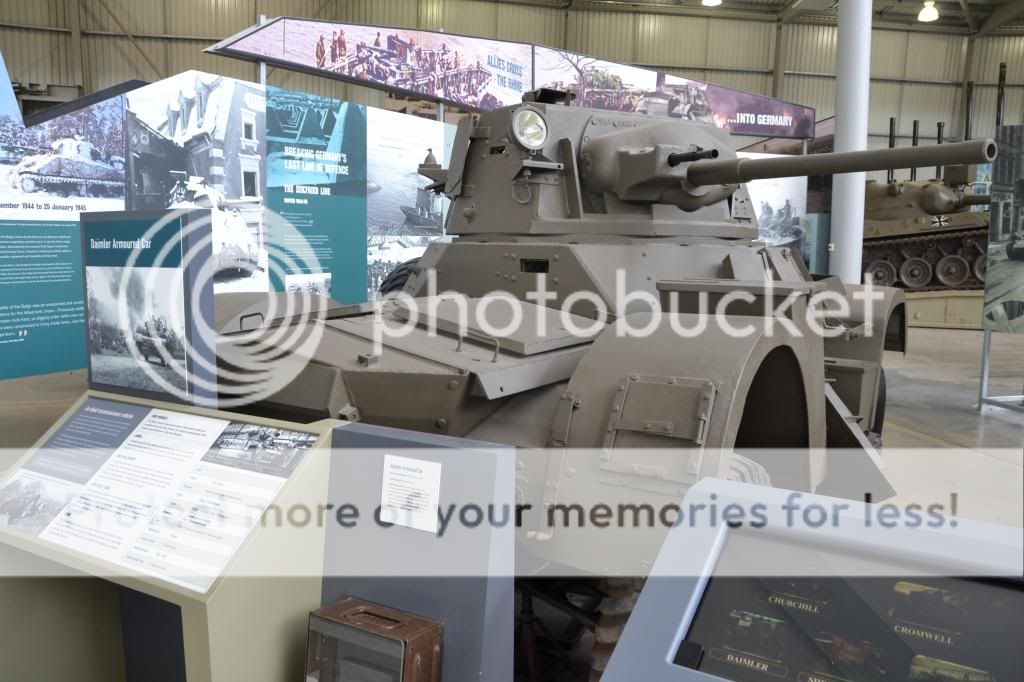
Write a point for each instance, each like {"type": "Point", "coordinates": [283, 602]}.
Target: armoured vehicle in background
{"type": "Point", "coordinates": [73, 167]}
{"type": "Point", "coordinates": [153, 338]}
{"type": "Point", "coordinates": [234, 247]}
{"type": "Point", "coordinates": [593, 206]}
{"type": "Point", "coordinates": [923, 236]}
{"type": "Point", "coordinates": [1015, 249]}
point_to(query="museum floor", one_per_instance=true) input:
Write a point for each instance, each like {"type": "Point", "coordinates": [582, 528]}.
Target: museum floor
{"type": "Point", "coordinates": [935, 441]}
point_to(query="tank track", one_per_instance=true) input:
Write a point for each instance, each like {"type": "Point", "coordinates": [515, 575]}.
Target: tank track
{"type": "Point", "coordinates": [882, 248]}
{"type": "Point", "coordinates": [70, 181]}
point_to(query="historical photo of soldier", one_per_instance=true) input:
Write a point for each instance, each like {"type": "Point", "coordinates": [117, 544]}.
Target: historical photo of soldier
{"type": "Point", "coordinates": [198, 141]}
{"type": "Point", "coordinates": [59, 168]}
{"type": "Point", "coordinates": [29, 502]}
{"type": "Point", "coordinates": [154, 328]}
{"type": "Point", "coordinates": [1004, 275]}
{"type": "Point", "coordinates": [780, 205]}
{"type": "Point", "coordinates": [480, 74]}
{"type": "Point", "coordinates": [681, 98]}
{"type": "Point", "coordinates": [261, 449]}
{"type": "Point", "coordinates": [400, 204]}
{"type": "Point", "coordinates": [316, 283]}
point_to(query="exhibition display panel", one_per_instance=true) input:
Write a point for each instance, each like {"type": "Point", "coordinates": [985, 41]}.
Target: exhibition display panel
{"type": "Point", "coordinates": [165, 501]}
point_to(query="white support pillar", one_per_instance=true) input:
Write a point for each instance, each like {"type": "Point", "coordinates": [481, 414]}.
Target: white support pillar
{"type": "Point", "coordinates": [852, 84]}
{"type": "Point", "coordinates": [261, 67]}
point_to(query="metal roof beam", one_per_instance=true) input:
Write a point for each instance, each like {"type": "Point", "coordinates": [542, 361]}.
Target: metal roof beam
{"type": "Point", "coordinates": [793, 9]}
{"type": "Point", "coordinates": [968, 17]}
{"type": "Point", "coordinates": [1001, 15]}
{"type": "Point", "coordinates": [131, 39]}
{"type": "Point", "coordinates": [790, 11]}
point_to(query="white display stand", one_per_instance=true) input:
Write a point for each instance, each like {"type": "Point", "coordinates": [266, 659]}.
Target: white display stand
{"type": "Point", "coordinates": [1014, 403]}
{"type": "Point", "coordinates": [248, 623]}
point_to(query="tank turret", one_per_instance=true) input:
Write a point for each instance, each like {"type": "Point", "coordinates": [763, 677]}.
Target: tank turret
{"type": "Point", "coordinates": [541, 168]}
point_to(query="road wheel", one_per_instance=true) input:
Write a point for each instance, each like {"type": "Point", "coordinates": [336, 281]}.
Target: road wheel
{"type": "Point", "coordinates": [953, 270]}
{"type": "Point", "coordinates": [979, 268]}
{"type": "Point", "coordinates": [29, 184]}
{"type": "Point", "coordinates": [882, 273]}
{"type": "Point", "coordinates": [916, 273]}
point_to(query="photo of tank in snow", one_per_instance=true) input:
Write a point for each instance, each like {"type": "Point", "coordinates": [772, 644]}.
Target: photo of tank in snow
{"type": "Point", "coordinates": [396, 146]}
{"type": "Point", "coordinates": [1004, 275]}
{"type": "Point", "coordinates": [126, 351]}
{"type": "Point", "coordinates": [384, 254]}
{"type": "Point", "coordinates": [59, 168]}
{"type": "Point", "coordinates": [197, 140]}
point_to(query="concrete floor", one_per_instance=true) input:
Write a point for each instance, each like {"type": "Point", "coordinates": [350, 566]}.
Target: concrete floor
{"type": "Point", "coordinates": [936, 443]}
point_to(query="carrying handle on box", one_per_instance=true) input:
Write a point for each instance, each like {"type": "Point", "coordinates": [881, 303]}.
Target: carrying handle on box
{"type": "Point", "coordinates": [365, 615]}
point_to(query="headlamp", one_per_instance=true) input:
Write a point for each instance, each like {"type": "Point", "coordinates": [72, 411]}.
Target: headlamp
{"type": "Point", "coordinates": [529, 129]}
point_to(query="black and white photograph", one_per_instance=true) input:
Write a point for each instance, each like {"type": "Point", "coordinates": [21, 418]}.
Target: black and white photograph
{"type": "Point", "coordinates": [315, 141]}
{"type": "Point", "coordinates": [1004, 275]}
{"type": "Point", "coordinates": [70, 164]}
{"type": "Point", "coordinates": [597, 83]}
{"type": "Point", "coordinates": [678, 97]}
{"type": "Point", "coordinates": [400, 204]}
{"type": "Point", "coordinates": [318, 283]}
{"type": "Point", "coordinates": [471, 72]}
{"type": "Point", "coordinates": [781, 208]}
{"type": "Point", "coordinates": [261, 449]}
{"type": "Point", "coordinates": [385, 254]}
{"type": "Point", "coordinates": [154, 326]}
{"type": "Point", "coordinates": [198, 140]}
{"type": "Point", "coordinates": [30, 501]}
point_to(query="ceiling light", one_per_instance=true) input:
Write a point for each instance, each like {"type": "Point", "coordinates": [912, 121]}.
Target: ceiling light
{"type": "Point", "coordinates": [711, 3]}
{"type": "Point", "coordinates": [928, 12]}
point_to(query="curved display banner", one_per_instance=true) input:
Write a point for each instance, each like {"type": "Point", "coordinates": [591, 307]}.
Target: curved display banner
{"type": "Point", "coordinates": [600, 84]}
{"type": "Point", "coordinates": [471, 73]}
{"type": "Point", "coordinates": [478, 74]}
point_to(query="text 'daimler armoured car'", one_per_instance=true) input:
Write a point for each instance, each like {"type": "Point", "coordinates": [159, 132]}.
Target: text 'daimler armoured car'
{"type": "Point", "coordinates": [608, 212]}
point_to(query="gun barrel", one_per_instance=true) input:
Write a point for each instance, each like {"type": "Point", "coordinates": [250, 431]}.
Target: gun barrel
{"type": "Point", "coordinates": [732, 171]}
{"type": "Point", "coordinates": [976, 199]}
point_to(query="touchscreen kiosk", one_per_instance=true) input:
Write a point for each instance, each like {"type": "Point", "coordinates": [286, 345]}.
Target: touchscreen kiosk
{"type": "Point", "coordinates": [857, 602]}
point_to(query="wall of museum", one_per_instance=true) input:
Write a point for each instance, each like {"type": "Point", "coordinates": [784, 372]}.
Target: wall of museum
{"type": "Point", "coordinates": [915, 74]}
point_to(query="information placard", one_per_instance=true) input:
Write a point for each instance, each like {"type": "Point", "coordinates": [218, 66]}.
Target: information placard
{"type": "Point", "coordinates": [149, 304]}
{"type": "Point", "coordinates": [164, 493]}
